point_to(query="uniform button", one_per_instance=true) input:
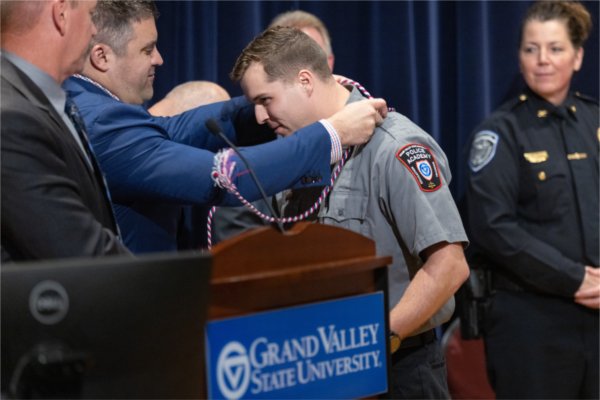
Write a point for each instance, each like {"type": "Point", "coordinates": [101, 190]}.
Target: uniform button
{"type": "Point", "coordinates": [522, 97]}
{"type": "Point", "coordinates": [310, 179]}
{"type": "Point", "coordinates": [542, 113]}
{"type": "Point", "coordinates": [542, 176]}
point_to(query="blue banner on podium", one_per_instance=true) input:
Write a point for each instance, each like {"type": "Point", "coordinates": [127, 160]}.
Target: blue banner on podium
{"type": "Point", "coordinates": [331, 349]}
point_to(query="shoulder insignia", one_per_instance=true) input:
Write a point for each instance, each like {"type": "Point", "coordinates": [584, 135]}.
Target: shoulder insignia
{"type": "Point", "coordinates": [585, 98]}
{"type": "Point", "coordinates": [422, 165]}
{"type": "Point", "coordinates": [483, 149]}
{"type": "Point", "coordinates": [514, 102]}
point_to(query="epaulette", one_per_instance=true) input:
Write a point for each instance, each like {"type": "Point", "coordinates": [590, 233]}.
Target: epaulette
{"type": "Point", "coordinates": [514, 102]}
{"type": "Point", "coordinates": [585, 98]}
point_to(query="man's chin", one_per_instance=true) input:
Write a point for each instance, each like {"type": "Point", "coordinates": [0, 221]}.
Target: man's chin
{"type": "Point", "coordinates": [147, 96]}
{"type": "Point", "coordinates": [282, 131]}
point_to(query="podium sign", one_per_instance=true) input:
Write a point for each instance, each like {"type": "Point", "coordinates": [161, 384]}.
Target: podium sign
{"type": "Point", "coordinates": [330, 349]}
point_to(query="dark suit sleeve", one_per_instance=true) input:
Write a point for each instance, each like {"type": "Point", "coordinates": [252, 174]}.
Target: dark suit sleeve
{"type": "Point", "coordinates": [43, 208]}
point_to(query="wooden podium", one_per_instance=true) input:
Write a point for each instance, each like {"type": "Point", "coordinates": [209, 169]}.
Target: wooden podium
{"type": "Point", "coordinates": [264, 269]}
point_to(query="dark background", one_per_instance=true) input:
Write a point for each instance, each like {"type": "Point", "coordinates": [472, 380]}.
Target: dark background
{"type": "Point", "coordinates": [444, 64]}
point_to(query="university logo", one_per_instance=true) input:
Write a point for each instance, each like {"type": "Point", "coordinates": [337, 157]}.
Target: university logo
{"type": "Point", "coordinates": [329, 349]}
{"type": "Point", "coordinates": [233, 370]}
{"type": "Point", "coordinates": [425, 169]}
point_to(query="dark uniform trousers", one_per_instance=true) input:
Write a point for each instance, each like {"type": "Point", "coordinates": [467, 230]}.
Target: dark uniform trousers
{"type": "Point", "coordinates": [521, 367]}
{"type": "Point", "coordinates": [418, 369]}
{"type": "Point", "coordinates": [533, 218]}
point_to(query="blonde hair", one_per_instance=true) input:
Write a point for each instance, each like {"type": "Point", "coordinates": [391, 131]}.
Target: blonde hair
{"type": "Point", "coordinates": [301, 19]}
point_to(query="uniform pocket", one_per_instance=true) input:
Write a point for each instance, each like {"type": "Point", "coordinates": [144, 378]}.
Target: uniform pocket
{"type": "Point", "coordinates": [553, 190]}
{"type": "Point", "coordinates": [346, 209]}
{"type": "Point", "coordinates": [544, 191]}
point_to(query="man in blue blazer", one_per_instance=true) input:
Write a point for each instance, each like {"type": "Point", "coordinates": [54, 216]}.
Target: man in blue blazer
{"type": "Point", "coordinates": [156, 165]}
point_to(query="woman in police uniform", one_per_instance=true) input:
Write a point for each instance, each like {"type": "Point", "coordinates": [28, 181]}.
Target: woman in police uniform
{"type": "Point", "coordinates": [533, 217]}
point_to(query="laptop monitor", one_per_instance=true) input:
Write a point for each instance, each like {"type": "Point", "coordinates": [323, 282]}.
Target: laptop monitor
{"type": "Point", "coordinates": [113, 327]}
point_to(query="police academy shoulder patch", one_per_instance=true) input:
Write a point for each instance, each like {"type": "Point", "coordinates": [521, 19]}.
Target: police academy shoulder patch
{"type": "Point", "coordinates": [422, 165]}
{"type": "Point", "coordinates": [483, 149]}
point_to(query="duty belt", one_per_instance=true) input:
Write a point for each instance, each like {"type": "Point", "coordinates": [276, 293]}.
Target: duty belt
{"type": "Point", "coordinates": [413, 342]}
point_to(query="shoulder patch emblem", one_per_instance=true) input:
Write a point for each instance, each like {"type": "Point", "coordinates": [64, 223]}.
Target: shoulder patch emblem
{"type": "Point", "coordinates": [483, 149]}
{"type": "Point", "coordinates": [422, 165]}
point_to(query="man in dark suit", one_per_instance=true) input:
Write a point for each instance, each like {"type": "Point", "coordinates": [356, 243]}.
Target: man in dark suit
{"type": "Point", "coordinates": [53, 200]}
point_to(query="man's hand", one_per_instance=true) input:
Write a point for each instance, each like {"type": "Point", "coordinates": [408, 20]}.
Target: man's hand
{"type": "Point", "coordinates": [356, 122]}
{"type": "Point", "coordinates": [445, 269]}
{"type": "Point", "coordinates": [589, 292]}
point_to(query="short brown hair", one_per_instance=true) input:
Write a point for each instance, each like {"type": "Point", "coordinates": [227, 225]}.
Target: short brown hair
{"type": "Point", "coordinates": [574, 14]}
{"type": "Point", "coordinates": [283, 52]}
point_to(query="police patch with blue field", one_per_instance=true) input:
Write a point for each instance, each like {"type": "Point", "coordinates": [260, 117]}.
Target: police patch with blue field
{"type": "Point", "coordinates": [422, 165]}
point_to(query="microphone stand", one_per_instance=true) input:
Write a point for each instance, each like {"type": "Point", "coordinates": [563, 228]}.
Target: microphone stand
{"type": "Point", "coordinates": [214, 127]}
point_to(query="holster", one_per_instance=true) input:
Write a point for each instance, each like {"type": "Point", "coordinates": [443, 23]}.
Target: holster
{"type": "Point", "coordinates": [473, 299]}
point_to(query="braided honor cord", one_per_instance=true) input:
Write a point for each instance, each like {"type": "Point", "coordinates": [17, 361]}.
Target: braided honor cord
{"type": "Point", "coordinates": [222, 172]}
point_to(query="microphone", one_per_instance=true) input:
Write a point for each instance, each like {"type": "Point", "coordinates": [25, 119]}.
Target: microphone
{"type": "Point", "coordinates": [214, 128]}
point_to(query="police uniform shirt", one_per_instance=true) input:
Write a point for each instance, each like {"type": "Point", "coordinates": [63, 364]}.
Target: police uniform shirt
{"type": "Point", "coordinates": [533, 191]}
{"type": "Point", "coordinates": [394, 190]}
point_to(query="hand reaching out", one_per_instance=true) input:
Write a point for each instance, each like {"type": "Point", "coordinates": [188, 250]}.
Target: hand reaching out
{"type": "Point", "coordinates": [356, 122]}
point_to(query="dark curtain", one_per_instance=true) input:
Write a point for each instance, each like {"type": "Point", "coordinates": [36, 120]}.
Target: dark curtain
{"type": "Point", "coordinates": [444, 64]}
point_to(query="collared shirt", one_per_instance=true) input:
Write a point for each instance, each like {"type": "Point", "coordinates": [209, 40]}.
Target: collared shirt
{"type": "Point", "coordinates": [380, 197]}
{"type": "Point", "coordinates": [51, 90]}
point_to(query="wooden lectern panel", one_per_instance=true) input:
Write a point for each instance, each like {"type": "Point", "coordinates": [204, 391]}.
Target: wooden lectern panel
{"type": "Point", "coordinates": [265, 269]}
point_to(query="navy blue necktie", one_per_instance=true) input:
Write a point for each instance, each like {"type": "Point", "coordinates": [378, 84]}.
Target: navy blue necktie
{"type": "Point", "coordinates": [585, 178]}
{"type": "Point", "coordinates": [73, 113]}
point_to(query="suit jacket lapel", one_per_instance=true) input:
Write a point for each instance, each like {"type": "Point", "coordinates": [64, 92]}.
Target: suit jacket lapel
{"type": "Point", "coordinates": [33, 93]}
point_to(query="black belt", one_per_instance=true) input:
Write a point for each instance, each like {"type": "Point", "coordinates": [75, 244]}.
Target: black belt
{"type": "Point", "coordinates": [412, 342]}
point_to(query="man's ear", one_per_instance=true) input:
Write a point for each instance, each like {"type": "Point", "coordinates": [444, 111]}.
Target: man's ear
{"type": "Point", "coordinates": [101, 57]}
{"type": "Point", "coordinates": [60, 11]}
{"type": "Point", "coordinates": [306, 81]}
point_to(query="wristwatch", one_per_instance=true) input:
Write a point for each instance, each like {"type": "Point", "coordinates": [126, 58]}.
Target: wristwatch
{"type": "Point", "coordinates": [395, 342]}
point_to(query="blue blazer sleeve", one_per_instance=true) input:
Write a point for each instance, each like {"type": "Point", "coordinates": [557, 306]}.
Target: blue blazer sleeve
{"type": "Point", "coordinates": [236, 117]}
{"type": "Point", "coordinates": [171, 159]}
